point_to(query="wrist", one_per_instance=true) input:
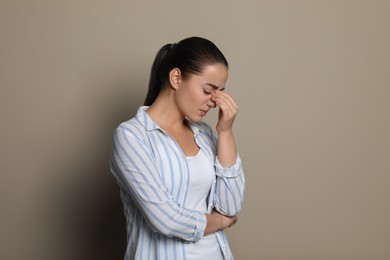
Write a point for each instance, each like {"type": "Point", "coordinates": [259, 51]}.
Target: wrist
{"type": "Point", "coordinates": [225, 133]}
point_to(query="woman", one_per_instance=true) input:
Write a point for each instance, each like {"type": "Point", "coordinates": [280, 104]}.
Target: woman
{"type": "Point", "coordinates": [181, 182]}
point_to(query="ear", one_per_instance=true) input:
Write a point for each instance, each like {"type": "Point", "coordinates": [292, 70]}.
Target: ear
{"type": "Point", "coordinates": [175, 78]}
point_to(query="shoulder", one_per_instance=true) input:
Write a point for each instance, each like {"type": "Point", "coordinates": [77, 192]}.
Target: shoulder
{"type": "Point", "coordinates": [130, 124]}
{"type": "Point", "coordinates": [130, 130]}
{"type": "Point", "coordinates": [138, 124]}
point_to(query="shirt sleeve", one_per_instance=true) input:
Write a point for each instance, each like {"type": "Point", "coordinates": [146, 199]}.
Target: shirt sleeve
{"type": "Point", "coordinates": [135, 169]}
{"type": "Point", "coordinates": [228, 195]}
{"type": "Point", "coordinates": [230, 185]}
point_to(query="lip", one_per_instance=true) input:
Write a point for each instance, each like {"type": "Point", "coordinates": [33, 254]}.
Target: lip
{"type": "Point", "coordinates": [203, 112]}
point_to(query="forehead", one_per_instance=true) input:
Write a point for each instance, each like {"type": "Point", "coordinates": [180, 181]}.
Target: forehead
{"type": "Point", "coordinates": [213, 75]}
{"type": "Point", "coordinates": [215, 69]}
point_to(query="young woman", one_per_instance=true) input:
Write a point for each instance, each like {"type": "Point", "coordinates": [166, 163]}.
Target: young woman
{"type": "Point", "coordinates": [181, 182]}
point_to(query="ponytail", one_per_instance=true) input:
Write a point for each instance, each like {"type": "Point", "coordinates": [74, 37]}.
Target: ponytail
{"type": "Point", "coordinates": [156, 80]}
{"type": "Point", "coordinates": [190, 55]}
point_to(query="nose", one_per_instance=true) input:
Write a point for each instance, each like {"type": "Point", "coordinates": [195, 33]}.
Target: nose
{"type": "Point", "coordinates": [211, 103]}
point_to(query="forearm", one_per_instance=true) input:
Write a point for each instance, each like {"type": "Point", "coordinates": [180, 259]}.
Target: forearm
{"type": "Point", "coordinates": [227, 150]}
{"type": "Point", "coordinates": [230, 185]}
{"type": "Point", "coordinates": [213, 224]}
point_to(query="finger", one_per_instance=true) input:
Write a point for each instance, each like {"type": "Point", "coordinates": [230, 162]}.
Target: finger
{"type": "Point", "coordinates": [234, 222]}
{"type": "Point", "coordinates": [223, 96]}
{"type": "Point", "coordinates": [225, 103]}
{"type": "Point", "coordinates": [221, 100]}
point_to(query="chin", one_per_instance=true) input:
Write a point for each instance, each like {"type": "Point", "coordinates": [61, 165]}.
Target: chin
{"type": "Point", "coordinates": [195, 118]}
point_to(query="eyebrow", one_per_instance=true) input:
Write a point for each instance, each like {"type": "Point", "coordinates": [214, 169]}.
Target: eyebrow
{"type": "Point", "coordinates": [214, 86]}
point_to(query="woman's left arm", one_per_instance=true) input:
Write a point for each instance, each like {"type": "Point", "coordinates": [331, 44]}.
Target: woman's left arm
{"type": "Point", "coordinates": [230, 176]}
{"type": "Point", "coordinates": [227, 150]}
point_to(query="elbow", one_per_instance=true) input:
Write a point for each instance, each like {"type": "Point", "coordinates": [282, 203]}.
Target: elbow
{"type": "Point", "coordinates": [174, 230]}
{"type": "Point", "coordinates": [235, 211]}
{"type": "Point", "coordinates": [176, 227]}
{"type": "Point", "coordinates": [164, 227]}
{"type": "Point", "coordinates": [228, 211]}
{"type": "Point", "coordinates": [230, 207]}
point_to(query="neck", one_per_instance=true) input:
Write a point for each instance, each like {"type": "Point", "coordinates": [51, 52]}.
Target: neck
{"type": "Point", "coordinates": [164, 111]}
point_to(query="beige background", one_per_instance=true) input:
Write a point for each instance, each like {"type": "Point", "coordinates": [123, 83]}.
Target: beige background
{"type": "Point", "coordinates": [312, 81]}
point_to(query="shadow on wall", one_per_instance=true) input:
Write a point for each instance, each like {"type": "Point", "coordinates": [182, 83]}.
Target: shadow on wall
{"type": "Point", "coordinates": [87, 213]}
{"type": "Point", "coordinates": [94, 220]}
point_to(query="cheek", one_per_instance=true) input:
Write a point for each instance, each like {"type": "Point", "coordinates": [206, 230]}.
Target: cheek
{"type": "Point", "coordinates": [204, 99]}
{"type": "Point", "coordinates": [197, 97]}
{"type": "Point", "coordinates": [193, 97]}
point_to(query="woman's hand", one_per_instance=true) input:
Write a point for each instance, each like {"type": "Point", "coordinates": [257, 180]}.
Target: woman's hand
{"type": "Point", "coordinates": [216, 221]}
{"type": "Point", "coordinates": [226, 222]}
{"type": "Point", "coordinates": [227, 111]}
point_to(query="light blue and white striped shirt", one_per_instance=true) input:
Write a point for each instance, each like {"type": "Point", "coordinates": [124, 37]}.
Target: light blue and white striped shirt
{"type": "Point", "coordinates": [153, 175]}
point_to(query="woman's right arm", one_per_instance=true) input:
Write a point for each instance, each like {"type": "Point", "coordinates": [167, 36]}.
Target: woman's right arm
{"type": "Point", "coordinates": [136, 170]}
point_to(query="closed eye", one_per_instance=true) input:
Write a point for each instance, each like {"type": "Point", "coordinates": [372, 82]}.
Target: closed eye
{"type": "Point", "coordinates": [207, 92]}
{"type": "Point", "coordinates": [215, 87]}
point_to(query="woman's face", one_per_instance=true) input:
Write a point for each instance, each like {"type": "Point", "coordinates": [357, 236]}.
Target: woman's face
{"type": "Point", "coordinates": [193, 96]}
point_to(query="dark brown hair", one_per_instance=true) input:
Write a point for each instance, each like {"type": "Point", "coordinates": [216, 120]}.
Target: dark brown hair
{"type": "Point", "coordinates": [190, 55]}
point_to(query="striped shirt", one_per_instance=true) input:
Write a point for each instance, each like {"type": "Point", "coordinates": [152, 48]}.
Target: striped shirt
{"type": "Point", "coordinates": [153, 176]}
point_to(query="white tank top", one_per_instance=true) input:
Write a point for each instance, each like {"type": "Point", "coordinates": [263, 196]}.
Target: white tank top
{"type": "Point", "coordinates": [201, 178]}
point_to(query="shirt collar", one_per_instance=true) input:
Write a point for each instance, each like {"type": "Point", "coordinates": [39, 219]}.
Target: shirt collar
{"type": "Point", "coordinates": [194, 127]}
{"type": "Point", "coordinates": [150, 125]}
{"type": "Point", "coordinates": [145, 120]}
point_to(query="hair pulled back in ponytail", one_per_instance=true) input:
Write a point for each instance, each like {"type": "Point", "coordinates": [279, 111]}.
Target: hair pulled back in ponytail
{"type": "Point", "coordinates": [190, 56]}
